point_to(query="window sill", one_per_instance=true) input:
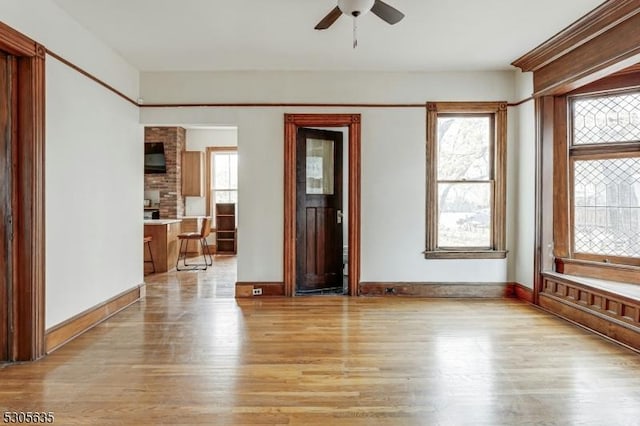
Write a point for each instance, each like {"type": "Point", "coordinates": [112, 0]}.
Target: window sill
{"type": "Point", "coordinates": [466, 254]}
{"type": "Point", "coordinates": [598, 270]}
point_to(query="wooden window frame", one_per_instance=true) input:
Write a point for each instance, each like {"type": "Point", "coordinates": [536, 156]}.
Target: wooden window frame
{"type": "Point", "coordinates": [209, 187]}
{"type": "Point", "coordinates": [498, 110]}
{"type": "Point", "coordinates": [567, 260]}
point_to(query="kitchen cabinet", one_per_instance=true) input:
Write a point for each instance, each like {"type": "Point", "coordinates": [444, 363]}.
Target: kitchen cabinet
{"type": "Point", "coordinates": [192, 174]}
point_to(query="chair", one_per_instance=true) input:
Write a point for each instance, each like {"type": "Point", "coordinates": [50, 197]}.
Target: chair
{"type": "Point", "coordinates": [185, 237]}
{"type": "Point", "coordinates": [147, 242]}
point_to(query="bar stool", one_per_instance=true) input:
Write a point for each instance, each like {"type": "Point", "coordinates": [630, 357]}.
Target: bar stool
{"type": "Point", "coordinates": [147, 242]}
{"type": "Point", "coordinates": [185, 237]}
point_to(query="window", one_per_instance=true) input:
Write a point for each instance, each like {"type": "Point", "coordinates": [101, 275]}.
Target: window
{"type": "Point", "coordinates": [466, 180]}
{"type": "Point", "coordinates": [604, 177]}
{"type": "Point", "coordinates": [223, 178]}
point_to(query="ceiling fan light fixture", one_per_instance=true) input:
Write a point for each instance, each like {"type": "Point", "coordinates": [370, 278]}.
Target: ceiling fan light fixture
{"type": "Point", "coordinates": [355, 8]}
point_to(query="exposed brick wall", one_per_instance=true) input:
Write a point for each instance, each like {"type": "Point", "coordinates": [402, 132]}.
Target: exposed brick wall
{"type": "Point", "coordinates": [169, 184]}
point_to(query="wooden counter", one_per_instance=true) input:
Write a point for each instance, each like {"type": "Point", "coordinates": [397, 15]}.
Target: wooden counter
{"type": "Point", "coordinates": [164, 245]}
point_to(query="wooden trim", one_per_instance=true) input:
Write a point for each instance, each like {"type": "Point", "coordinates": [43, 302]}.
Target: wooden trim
{"type": "Point", "coordinates": [544, 190]}
{"type": "Point", "coordinates": [629, 77]}
{"type": "Point", "coordinates": [291, 124]}
{"type": "Point", "coordinates": [16, 43]}
{"type": "Point", "coordinates": [498, 203]}
{"type": "Point", "coordinates": [600, 270]}
{"type": "Point", "coordinates": [75, 326]}
{"type": "Point", "coordinates": [591, 25]}
{"type": "Point", "coordinates": [591, 321]}
{"type": "Point", "coordinates": [596, 55]}
{"type": "Point", "coordinates": [435, 289]}
{"type": "Point", "coordinates": [522, 292]}
{"type": "Point", "coordinates": [299, 105]}
{"type": "Point", "coordinates": [560, 178]}
{"type": "Point", "coordinates": [269, 289]}
{"type": "Point", "coordinates": [525, 100]}
{"type": "Point", "coordinates": [466, 254]}
{"type": "Point", "coordinates": [28, 245]}
{"type": "Point", "coordinates": [601, 259]}
{"type": "Point", "coordinates": [281, 105]}
{"type": "Point", "coordinates": [614, 316]}
{"type": "Point", "coordinates": [91, 77]}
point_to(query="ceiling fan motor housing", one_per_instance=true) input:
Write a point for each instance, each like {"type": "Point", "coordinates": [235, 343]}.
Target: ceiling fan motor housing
{"type": "Point", "coordinates": [355, 8]}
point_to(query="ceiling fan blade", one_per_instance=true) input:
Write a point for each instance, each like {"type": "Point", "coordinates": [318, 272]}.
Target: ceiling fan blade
{"type": "Point", "coordinates": [328, 20]}
{"type": "Point", "coordinates": [387, 13]}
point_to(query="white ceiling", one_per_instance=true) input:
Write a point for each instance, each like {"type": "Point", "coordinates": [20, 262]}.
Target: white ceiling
{"type": "Point", "coordinates": [436, 35]}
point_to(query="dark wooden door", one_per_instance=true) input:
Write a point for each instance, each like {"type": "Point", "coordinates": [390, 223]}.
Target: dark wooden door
{"type": "Point", "coordinates": [318, 211]}
{"type": "Point", "coordinates": [6, 113]}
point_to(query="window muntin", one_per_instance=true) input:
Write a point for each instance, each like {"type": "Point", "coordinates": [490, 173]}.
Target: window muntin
{"type": "Point", "coordinates": [604, 179]}
{"type": "Point", "coordinates": [465, 180]}
{"type": "Point", "coordinates": [606, 119]}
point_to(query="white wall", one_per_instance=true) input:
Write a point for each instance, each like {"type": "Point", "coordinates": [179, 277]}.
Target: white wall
{"type": "Point", "coordinates": [94, 185]}
{"type": "Point", "coordinates": [393, 159]}
{"type": "Point", "coordinates": [524, 196]}
{"type": "Point", "coordinates": [93, 161]}
{"type": "Point", "coordinates": [200, 140]}
{"type": "Point", "coordinates": [49, 25]}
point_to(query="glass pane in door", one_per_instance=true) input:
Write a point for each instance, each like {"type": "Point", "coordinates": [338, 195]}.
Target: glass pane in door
{"type": "Point", "coordinates": [319, 162]}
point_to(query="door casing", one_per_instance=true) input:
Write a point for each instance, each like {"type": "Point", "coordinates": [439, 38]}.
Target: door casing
{"type": "Point", "coordinates": [291, 124]}
{"type": "Point", "coordinates": [27, 300]}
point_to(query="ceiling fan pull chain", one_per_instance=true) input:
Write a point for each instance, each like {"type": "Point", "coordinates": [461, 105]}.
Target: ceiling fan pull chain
{"type": "Point", "coordinates": [355, 32]}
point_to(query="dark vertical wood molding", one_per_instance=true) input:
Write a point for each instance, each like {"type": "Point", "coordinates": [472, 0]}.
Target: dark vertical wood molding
{"type": "Point", "coordinates": [547, 184]}
{"type": "Point", "coordinates": [27, 287]}
{"type": "Point", "coordinates": [560, 179]}
{"type": "Point", "coordinates": [291, 124]}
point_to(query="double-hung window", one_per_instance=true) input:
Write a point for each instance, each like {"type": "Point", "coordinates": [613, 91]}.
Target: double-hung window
{"type": "Point", "coordinates": [224, 177]}
{"type": "Point", "coordinates": [466, 147]}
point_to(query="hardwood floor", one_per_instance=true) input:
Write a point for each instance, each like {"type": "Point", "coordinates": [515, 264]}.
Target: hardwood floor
{"type": "Point", "coordinates": [192, 354]}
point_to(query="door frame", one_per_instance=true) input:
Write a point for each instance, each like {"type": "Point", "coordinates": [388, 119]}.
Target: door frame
{"type": "Point", "coordinates": [291, 124]}
{"type": "Point", "coordinates": [27, 256]}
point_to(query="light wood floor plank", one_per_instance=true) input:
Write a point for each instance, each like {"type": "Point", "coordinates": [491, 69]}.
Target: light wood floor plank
{"type": "Point", "coordinates": [192, 354]}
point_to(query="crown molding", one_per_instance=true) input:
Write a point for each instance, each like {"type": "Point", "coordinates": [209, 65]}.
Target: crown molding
{"type": "Point", "coordinates": [606, 16]}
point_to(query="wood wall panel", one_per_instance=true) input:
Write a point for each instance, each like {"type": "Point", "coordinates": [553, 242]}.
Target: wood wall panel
{"type": "Point", "coordinates": [610, 314]}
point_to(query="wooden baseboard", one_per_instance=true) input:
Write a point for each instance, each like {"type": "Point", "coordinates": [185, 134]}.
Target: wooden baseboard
{"type": "Point", "coordinates": [522, 292]}
{"type": "Point", "coordinates": [431, 289]}
{"type": "Point", "coordinates": [245, 289]}
{"type": "Point", "coordinates": [68, 330]}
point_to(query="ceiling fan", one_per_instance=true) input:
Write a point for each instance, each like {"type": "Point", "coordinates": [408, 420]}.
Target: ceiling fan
{"type": "Point", "coordinates": [356, 8]}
